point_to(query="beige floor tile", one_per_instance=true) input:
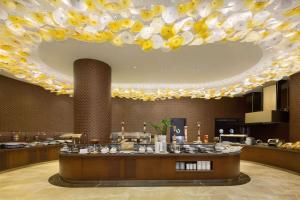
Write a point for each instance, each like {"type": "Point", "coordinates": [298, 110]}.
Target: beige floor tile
{"type": "Point", "coordinates": [266, 183]}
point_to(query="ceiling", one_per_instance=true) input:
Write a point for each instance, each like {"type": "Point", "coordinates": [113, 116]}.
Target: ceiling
{"type": "Point", "coordinates": [131, 65]}
{"type": "Point", "coordinates": [157, 49]}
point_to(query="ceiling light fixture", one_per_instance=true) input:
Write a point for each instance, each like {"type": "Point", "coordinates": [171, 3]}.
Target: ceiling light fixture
{"type": "Point", "coordinates": [166, 25]}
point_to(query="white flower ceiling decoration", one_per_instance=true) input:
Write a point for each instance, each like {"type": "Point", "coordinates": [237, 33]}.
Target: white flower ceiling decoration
{"type": "Point", "coordinates": [274, 25]}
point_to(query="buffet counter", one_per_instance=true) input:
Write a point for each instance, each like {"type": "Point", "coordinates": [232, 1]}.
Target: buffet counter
{"type": "Point", "coordinates": [12, 158]}
{"type": "Point", "coordinates": [139, 166]}
{"type": "Point", "coordinates": [283, 158]}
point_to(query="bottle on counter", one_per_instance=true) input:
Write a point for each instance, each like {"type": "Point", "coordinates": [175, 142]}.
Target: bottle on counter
{"type": "Point", "coordinates": [174, 139]}
{"type": "Point", "coordinates": [175, 147]}
{"type": "Point", "coordinates": [149, 138]}
{"type": "Point", "coordinates": [185, 134]}
{"type": "Point", "coordinates": [144, 130]}
{"type": "Point", "coordinates": [174, 136]}
{"type": "Point", "coordinates": [122, 130]}
{"type": "Point", "coordinates": [198, 133]}
{"type": "Point", "coordinates": [145, 127]}
{"type": "Point", "coordinates": [205, 138]}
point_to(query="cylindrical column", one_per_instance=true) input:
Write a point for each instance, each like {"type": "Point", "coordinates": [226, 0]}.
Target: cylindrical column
{"type": "Point", "coordinates": [92, 99]}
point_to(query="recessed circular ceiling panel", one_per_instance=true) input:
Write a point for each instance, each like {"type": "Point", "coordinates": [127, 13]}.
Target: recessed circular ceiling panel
{"type": "Point", "coordinates": [192, 65]}
{"type": "Point", "coordinates": [183, 43]}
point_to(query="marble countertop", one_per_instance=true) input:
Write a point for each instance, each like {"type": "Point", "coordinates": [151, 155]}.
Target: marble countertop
{"type": "Point", "coordinates": [271, 148]}
{"type": "Point", "coordinates": [150, 154]}
{"type": "Point", "coordinates": [31, 147]}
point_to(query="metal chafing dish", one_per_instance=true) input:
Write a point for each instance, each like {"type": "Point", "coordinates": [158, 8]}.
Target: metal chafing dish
{"type": "Point", "coordinates": [136, 137]}
{"type": "Point", "coordinates": [74, 137]}
{"type": "Point", "coordinates": [275, 142]}
{"type": "Point", "coordinates": [70, 136]}
{"type": "Point", "coordinates": [13, 145]}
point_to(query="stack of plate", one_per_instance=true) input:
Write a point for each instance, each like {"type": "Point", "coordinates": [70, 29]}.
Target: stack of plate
{"type": "Point", "coordinates": [13, 145]}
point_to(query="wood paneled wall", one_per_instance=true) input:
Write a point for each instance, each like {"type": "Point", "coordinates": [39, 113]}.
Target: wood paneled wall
{"type": "Point", "coordinates": [295, 107]}
{"type": "Point", "coordinates": [134, 113]}
{"type": "Point", "coordinates": [25, 107]}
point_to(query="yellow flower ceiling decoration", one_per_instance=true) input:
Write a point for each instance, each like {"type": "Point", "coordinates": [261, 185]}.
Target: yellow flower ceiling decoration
{"type": "Point", "coordinates": [271, 24]}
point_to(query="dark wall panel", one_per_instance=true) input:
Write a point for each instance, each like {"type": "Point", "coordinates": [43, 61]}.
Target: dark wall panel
{"type": "Point", "coordinates": [134, 113]}
{"type": "Point", "coordinates": [295, 107]}
{"type": "Point", "coordinates": [25, 107]}
{"type": "Point", "coordinates": [267, 131]}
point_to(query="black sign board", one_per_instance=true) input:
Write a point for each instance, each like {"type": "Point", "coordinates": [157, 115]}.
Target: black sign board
{"type": "Point", "coordinates": [179, 123]}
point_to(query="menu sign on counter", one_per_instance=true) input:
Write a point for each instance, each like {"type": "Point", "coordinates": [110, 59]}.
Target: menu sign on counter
{"type": "Point", "coordinates": [179, 123]}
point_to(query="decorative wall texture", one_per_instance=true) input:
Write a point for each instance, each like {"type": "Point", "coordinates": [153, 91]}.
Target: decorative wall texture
{"type": "Point", "coordinates": [295, 107]}
{"type": "Point", "coordinates": [92, 99]}
{"type": "Point", "coordinates": [25, 107]}
{"type": "Point", "coordinates": [134, 113]}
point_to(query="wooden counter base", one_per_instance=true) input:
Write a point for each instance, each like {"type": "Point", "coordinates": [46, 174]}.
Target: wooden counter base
{"type": "Point", "coordinates": [145, 167]}
{"type": "Point", "coordinates": [283, 158]}
{"type": "Point", "coordinates": [13, 158]}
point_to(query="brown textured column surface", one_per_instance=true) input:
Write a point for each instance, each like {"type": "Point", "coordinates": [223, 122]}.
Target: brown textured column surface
{"type": "Point", "coordinates": [92, 99]}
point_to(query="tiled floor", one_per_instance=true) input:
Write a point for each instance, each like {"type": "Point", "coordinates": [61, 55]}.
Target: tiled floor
{"type": "Point", "coordinates": [267, 184]}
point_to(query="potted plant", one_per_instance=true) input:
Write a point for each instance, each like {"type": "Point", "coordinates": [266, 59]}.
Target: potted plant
{"type": "Point", "coordinates": [161, 128]}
